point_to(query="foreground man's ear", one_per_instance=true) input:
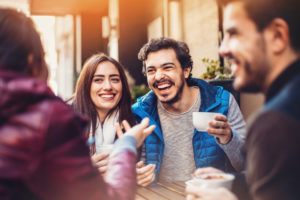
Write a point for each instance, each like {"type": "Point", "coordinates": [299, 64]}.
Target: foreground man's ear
{"type": "Point", "coordinates": [277, 33]}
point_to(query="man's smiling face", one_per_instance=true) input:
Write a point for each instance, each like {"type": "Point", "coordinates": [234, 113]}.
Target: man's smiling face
{"type": "Point", "coordinates": [165, 76]}
{"type": "Point", "coordinates": [246, 48]}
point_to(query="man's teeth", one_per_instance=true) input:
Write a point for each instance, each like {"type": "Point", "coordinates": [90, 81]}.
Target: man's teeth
{"type": "Point", "coordinates": [163, 86]}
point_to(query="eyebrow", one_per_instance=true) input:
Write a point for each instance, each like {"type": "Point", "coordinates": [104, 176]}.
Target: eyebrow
{"type": "Point", "coordinates": [111, 75]}
{"type": "Point", "coordinates": [168, 63]}
{"type": "Point", "coordinates": [231, 30]}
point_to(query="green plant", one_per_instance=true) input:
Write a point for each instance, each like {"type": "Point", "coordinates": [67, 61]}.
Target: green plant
{"type": "Point", "coordinates": [214, 70]}
{"type": "Point", "coordinates": [137, 91]}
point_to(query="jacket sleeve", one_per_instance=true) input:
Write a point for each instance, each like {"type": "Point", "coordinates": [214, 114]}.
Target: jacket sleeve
{"type": "Point", "coordinates": [273, 157]}
{"type": "Point", "coordinates": [66, 171]}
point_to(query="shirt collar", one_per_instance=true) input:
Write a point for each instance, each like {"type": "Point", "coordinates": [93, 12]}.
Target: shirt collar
{"type": "Point", "coordinates": [285, 77]}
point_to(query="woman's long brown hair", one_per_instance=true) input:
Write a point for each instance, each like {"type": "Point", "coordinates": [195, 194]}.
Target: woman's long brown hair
{"type": "Point", "coordinates": [82, 101]}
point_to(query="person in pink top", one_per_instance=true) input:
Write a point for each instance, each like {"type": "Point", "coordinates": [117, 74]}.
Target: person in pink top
{"type": "Point", "coordinates": [43, 151]}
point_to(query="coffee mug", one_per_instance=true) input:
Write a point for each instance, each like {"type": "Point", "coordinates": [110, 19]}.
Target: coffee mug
{"type": "Point", "coordinates": [201, 119]}
{"type": "Point", "coordinates": [104, 148]}
{"type": "Point", "coordinates": [213, 180]}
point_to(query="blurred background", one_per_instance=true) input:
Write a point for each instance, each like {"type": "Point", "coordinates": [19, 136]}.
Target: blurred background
{"type": "Point", "coordinates": [73, 30]}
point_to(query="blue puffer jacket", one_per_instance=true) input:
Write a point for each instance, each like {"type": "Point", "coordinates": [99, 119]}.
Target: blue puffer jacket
{"type": "Point", "coordinates": [206, 151]}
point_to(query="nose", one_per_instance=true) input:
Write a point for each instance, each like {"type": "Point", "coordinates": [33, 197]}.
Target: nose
{"type": "Point", "coordinates": [107, 85]}
{"type": "Point", "coordinates": [159, 74]}
{"type": "Point", "coordinates": [224, 49]}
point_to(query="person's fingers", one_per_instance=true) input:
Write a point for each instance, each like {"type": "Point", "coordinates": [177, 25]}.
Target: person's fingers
{"type": "Point", "coordinates": [145, 169]}
{"type": "Point", "coordinates": [94, 157]}
{"type": "Point", "coordinates": [145, 122]}
{"type": "Point", "coordinates": [126, 125]}
{"type": "Point", "coordinates": [220, 128]}
{"type": "Point", "coordinates": [206, 170]}
{"type": "Point", "coordinates": [222, 135]}
{"type": "Point", "coordinates": [139, 127]}
{"type": "Point", "coordinates": [149, 130]}
{"type": "Point", "coordinates": [102, 169]}
{"type": "Point", "coordinates": [140, 164]}
{"type": "Point", "coordinates": [190, 197]}
{"type": "Point", "coordinates": [99, 157]}
{"type": "Point", "coordinates": [194, 190]}
{"type": "Point", "coordinates": [145, 176]}
{"type": "Point", "coordinates": [220, 117]}
{"type": "Point", "coordinates": [119, 130]}
{"type": "Point", "coordinates": [216, 132]}
{"type": "Point", "coordinates": [102, 163]}
{"type": "Point", "coordinates": [146, 173]}
{"type": "Point", "coordinates": [140, 131]}
{"type": "Point", "coordinates": [199, 192]}
{"type": "Point", "coordinates": [146, 181]}
{"type": "Point", "coordinates": [218, 124]}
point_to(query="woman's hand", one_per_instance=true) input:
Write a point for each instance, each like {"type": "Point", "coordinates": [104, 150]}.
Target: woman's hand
{"type": "Point", "coordinates": [145, 174]}
{"type": "Point", "coordinates": [101, 161]}
{"type": "Point", "coordinates": [139, 131]}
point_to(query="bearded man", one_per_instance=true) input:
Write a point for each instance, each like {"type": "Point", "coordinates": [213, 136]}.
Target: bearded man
{"type": "Point", "coordinates": [176, 148]}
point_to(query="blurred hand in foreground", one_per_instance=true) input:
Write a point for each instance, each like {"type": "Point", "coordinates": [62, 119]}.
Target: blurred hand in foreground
{"type": "Point", "coordinates": [145, 174]}
{"type": "Point", "coordinates": [196, 192]}
{"type": "Point", "coordinates": [139, 131]}
{"type": "Point", "coordinates": [206, 170]}
{"type": "Point", "coordinates": [101, 161]}
{"type": "Point", "coordinates": [220, 128]}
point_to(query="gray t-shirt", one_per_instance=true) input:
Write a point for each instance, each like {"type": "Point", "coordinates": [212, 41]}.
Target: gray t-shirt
{"type": "Point", "coordinates": [178, 161]}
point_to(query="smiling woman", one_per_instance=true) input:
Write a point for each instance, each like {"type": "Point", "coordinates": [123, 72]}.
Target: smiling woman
{"type": "Point", "coordinates": [106, 89]}
{"type": "Point", "coordinates": [102, 94]}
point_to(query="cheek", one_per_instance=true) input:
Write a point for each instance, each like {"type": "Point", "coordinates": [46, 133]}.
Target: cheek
{"type": "Point", "coordinates": [149, 81]}
{"type": "Point", "coordinates": [119, 88]}
{"type": "Point", "coordinates": [93, 90]}
{"type": "Point", "coordinates": [93, 97]}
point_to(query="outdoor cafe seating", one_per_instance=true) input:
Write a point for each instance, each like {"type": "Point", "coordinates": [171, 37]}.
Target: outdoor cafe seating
{"type": "Point", "coordinates": [162, 191]}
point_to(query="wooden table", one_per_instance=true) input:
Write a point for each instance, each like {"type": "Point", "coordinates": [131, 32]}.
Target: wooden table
{"type": "Point", "coordinates": [162, 191]}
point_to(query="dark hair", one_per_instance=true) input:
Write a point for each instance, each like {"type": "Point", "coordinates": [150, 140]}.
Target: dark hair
{"type": "Point", "coordinates": [19, 43]}
{"type": "Point", "coordinates": [262, 12]}
{"type": "Point", "coordinates": [181, 49]}
{"type": "Point", "coordinates": [82, 101]}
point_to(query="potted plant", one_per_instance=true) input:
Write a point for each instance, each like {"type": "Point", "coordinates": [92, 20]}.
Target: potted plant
{"type": "Point", "coordinates": [219, 75]}
{"type": "Point", "coordinates": [137, 91]}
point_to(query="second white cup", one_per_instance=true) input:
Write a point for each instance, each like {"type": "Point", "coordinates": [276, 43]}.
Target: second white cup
{"type": "Point", "coordinates": [105, 148]}
{"type": "Point", "coordinates": [214, 180]}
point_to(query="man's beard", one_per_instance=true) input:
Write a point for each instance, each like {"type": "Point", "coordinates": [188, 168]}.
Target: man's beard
{"type": "Point", "coordinates": [256, 71]}
{"type": "Point", "coordinates": [178, 94]}
{"type": "Point", "coordinates": [255, 84]}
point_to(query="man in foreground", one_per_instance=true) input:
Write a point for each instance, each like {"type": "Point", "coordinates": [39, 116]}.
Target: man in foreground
{"type": "Point", "coordinates": [262, 42]}
{"type": "Point", "coordinates": [176, 147]}
{"type": "Point", "coordinates": [43, 154]}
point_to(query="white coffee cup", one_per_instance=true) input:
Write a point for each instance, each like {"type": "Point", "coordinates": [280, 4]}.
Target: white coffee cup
{"type": "Point", "coordinates": [213, 180]}
{"type": "Point", "coordinates": [201, 119]}
{"type": "Point", "coordinates": [104, 148]}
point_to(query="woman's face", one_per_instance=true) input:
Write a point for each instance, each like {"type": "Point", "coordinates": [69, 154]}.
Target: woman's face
{"type": "Point", "coordinates": [106, 87]}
